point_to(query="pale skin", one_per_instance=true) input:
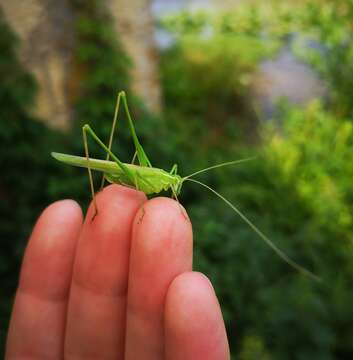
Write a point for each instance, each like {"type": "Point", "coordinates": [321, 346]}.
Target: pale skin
{"type": "Point", "coordinates": [118, 287]}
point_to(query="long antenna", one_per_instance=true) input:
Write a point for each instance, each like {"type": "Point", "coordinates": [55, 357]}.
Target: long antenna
{"type": "Point", "coordinates": [220, 165]}
{"type": "Point", "coordinates": [278, 251]}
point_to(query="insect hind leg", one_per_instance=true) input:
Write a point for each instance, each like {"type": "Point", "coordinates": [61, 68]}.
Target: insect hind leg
{"type": "Point", "coordinates": [85, 143]}
{"type": "Point", "coordinates": [140, 152]}
{"type": "Point", "coordinates": [87, 129]}
{"type": "Point", "coordinates": [111, 136]}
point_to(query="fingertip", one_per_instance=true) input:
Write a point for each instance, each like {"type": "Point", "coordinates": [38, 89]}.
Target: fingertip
{"type": "Point", "coordinates": [49, 255]}
{"type": "Point", "coordinates": [67, 208]}
{"type": "Point", "coordinates": [164, 211]}
{"type": "Point", "coordinates": [190, 289]}
{"type": "Point", "coordinates": [60, 216]}
{"type": "Point", "coordinates": [115, 196]}
{"type": "Point", "coordinates": [193, 320]}
{"type": "Point", "coordinates": [102, 257]}
{"type": "Point", "coordinates": [114, 190]}
{"type": "Point", "coordinates": [124, 189]}
{"type": "Point", "coordinates": [162, 221]}
{"type": "Point", "coordinates": [191, 284]}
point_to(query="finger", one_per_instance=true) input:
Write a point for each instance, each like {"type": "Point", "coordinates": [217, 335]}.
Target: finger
{"type": "Point", "coordinates": [38, 319]}
{"type": "Point", "coordinates": [194, 327]}
{"type": "Point", "coordinates": [161, 249]}
{"type": "Point", "coordinates": [97, 305]}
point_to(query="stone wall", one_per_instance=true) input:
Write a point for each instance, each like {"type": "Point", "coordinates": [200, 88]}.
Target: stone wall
{"type": "Point", "coordinates": [135, 25]}
{"type": "Point", "coordinates": [46, 31]}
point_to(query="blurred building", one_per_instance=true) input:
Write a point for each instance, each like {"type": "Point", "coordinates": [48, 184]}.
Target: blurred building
{"type": "Point", "coordinates": [46, 31]}
{"type": "Point", "coordinates": [285, 77]}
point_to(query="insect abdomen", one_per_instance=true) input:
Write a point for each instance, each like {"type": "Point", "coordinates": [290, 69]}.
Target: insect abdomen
{"type": "Point", "coordinates": [148, 180]}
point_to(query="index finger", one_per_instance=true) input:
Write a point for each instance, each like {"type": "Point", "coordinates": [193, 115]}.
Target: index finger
{"type": "Point", "coordinates": [96, 310]}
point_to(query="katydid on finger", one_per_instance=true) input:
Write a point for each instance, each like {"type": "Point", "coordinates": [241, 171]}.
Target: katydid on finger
{"type": "Point", "coordinates": [151, 180]}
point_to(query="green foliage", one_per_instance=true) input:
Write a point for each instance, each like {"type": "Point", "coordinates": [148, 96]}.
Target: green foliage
{"type": "Point", "coordinates": [253, 348]}
{"type": "Point", "coordinates": [328, 24]}
{"type": "Point", "coordinates": [317, 158]}
{"type": "Point", "coordinates": [302, 198]}
{"type": "Point", "coordinates": [100, 58]}
{"type": "Point", "coordinates": [207, 72]}
{"type": "Point", "coordinates": [269, 310]}
{"type": "Point", "coordinates": [331, 22]}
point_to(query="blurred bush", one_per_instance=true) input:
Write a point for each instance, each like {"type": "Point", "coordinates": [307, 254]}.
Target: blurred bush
{"type": "Point", "coordinates": [298, 191]}
{"type": "Point", "coordinates": [208, 69]}
{"type": "Point", "coordinates": [326, 41]}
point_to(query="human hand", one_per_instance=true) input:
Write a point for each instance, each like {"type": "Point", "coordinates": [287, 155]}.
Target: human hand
{"type": "Point", "coordinates": [117, 287]}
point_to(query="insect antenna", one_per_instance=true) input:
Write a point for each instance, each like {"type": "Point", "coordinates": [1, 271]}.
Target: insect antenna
{"type": "Point", "coordinates": [220, 165]}
{"type": "Point", "coordinates": [278, 251]}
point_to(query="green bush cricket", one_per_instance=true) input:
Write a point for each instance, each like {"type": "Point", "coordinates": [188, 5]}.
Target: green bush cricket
{"type": "Point", "coordinates": [149, 179]}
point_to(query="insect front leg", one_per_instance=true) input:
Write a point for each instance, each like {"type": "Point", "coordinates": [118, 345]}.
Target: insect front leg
{"type": "Point", "coordinates": [175, 196]}
{"type": "Point", "coordinates": [134, 158]}
{"type": "Point", "coordinates": [174, 169]}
